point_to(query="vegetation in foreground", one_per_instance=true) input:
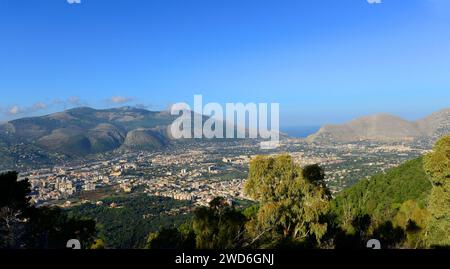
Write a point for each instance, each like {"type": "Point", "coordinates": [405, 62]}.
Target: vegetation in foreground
{"type": "Point", "coordinates": [124, 221]}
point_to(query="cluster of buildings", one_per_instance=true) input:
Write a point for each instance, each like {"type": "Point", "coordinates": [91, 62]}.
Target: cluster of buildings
{"type": "Point", "coordinates": [184, 174]}
{"type": "Point", "coordinates": [201, 172]}
{"type": "Point", "coordinates": [199, 191]}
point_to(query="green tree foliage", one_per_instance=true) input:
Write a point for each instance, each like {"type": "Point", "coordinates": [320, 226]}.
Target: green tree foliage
{"type": "Point", "coordinates": [218, 226]}
{"type": "Point", "coordinates": [291, 206]}
{"type": "Point", "coordinates": [50, 227]}
{"type": "Point", "coordinates": [396, 203]}
{"type": "Point", "coordinates": [171, 238]}
{"type": "Point", "coordinates": [383, 194]}
{"type": "Point", "coordinates": [362, 230]}
{"type": "Point", "coordinates": [437, 163]}
{"type": "Point", "coordinates": [412, 218]}
{"type": "Point", "coordinates": [339, 238]}
{"type": "Point", "coordinates": [98, 244]}
{"type": "Point", "coordinates": [389, 236]}
{"type": "Point", "coordinates": [128, 225]}
{"type": "Point", "coordinates": [316, 175]}
{"type": "Point", "coordinates": [437, 166]}
{"type": "Point", "coordinates": [25, 226]}
{"type": "Point", "coordinates": [438, 228]}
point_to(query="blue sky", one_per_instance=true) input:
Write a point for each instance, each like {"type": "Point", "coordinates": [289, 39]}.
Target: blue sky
{"type": "Point", "coordinates": [324, 61]}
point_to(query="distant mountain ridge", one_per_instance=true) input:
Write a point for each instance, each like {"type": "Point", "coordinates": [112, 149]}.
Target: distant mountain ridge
{"type": "Point", "coordinates": [85, 130]}
{"type": "Point", "coordinates": [385, 127]}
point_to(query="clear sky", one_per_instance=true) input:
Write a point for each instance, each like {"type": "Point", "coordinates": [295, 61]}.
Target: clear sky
{"type": "Point", "coordinates": [324, 61]}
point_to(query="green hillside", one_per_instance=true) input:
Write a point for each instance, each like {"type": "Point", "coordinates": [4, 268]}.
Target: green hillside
{"type": "Point", "coordinates": [382, 195]}
{"type": "Point", "coordinates": [125, 221]}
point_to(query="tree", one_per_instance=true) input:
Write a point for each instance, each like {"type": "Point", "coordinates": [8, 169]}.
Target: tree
{"type": "Point", "coordinates": [98, 244]}
{"type": "Point", "coordinates": [167, 238]}
{"type": "Point", "coordinates": [51, 228]}
{"type": "Point", "coordinates": [13, 193]}
{"type": "Point", "coordinates": [218, 226]}
{"type": "Point", "coordinates": [14, 206]}
{"type": "Point", "coordinates": [413, 219]}
{"type": "Point", "coordinates": [382, 196]}
{"type": "Point", "coordinates": [437, 162]}
{"type": "Point", "coordinates": [437, 166]}
{"type": "Point", "coordinates": [389, 235]}
{"type": "Point", "coordinates": [315, 175]}
{"type": "Point", "coordinates": [291, 207]}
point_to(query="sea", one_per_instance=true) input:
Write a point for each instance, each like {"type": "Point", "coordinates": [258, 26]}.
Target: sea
{"type": "Point", "coordinates": [299, 131]}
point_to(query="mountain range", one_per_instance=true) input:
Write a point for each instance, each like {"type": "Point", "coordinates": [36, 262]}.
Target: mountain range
{"type": "Point", "coordinates": [384, 128]}
{"type": "Point", "coordinates": [84, 130]}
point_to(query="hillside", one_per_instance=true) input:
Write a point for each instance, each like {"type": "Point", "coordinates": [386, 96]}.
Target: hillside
{"type": "Point", "coordinates": [382, 194]}
{"type": "Point", "coordinates": [385, 127]}
{"type": "Point", "coordinates": [127, 224]}
{"type": "Point", "coordinates": [144, 139]}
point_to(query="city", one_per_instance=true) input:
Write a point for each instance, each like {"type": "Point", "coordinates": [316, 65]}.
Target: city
{"type": "Point", "coordinates": [198, 173]}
